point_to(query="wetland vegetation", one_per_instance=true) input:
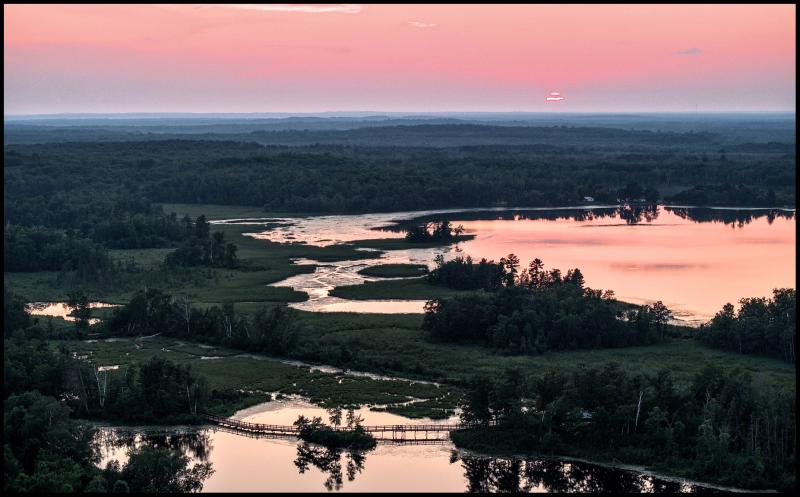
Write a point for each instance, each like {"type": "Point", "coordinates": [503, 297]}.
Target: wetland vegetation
{"type": "Point", "coordinates": [199, 324]}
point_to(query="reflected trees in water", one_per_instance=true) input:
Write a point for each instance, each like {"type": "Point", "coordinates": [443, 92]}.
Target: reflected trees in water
{"type": "Point", "coordinates": [633, 213]}
{"type": "Point", "coordinates": [196, 445]}
{"type": "Point", "coordinates": [486, 475]}
{"type": "Point", "coordinates": [329, 461]}
{"type": "Point", "coordinates": [165, 462]}
{"type": "Point", "coordinates": [733, 217]}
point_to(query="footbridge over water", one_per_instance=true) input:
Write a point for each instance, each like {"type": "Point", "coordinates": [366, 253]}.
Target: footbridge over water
{"type": "Point", "coordinates": [432, 432]}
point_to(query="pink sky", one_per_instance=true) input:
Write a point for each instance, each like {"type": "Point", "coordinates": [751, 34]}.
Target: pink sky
{"type": "Point", "coordinates": [414, 58]}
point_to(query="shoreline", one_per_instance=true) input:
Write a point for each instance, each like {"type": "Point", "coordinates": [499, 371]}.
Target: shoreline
{"type": "Point", "coordinates": [612, 465]}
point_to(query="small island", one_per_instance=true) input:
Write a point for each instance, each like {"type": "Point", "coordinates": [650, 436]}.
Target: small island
{"type": "Point", "coordinates": [395, 270]}
{"type": "Point", "coordinates": [352, 436]}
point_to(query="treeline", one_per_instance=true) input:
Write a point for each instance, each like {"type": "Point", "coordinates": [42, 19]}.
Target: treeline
{"type": "Point", "coordinates": [271, 330]}
{"type": "Point", "coordinates": [46, 449]}
{"type": "Point", "coordinates": [43, 249]}
{"type": "Point", "coordinates": [38, 248]}
{"type": "Point", "coordinates": [630, 213]}
{"type": "Point", "coordinates": [760, 326]}
{"type": "Point", "coordinates": [720, 427]}
{"type": "Point", "coordinates": [727, 194]}
{"type": "Point", "coordinates": [634, 192]}
{"type": "Point", "coordinates": [462, 273]}
{"type": "Point", "coordinates": [404, 132]}
{"type": "Point", "coordinates": [157, 391]}
{"type": "Point", "coordinates": [533, 310]}
{"type": "Point", "coordinates": [737, 218]}
{"type": "Point", "coordinates": [337, 178]}
{"type": "Point", "coordinates": [109, 217]}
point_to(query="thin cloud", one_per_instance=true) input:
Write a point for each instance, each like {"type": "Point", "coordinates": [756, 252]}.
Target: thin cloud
{"type": "Point", "coordinates": [690, 51]}
{"type": "Point", "coordinates": [342, 8]}
{"type": "Point", "coordinates": [418, 24]}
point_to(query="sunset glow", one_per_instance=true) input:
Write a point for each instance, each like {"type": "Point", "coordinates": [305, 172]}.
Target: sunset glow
{"type": "Point", "coordinates": [310, 58]}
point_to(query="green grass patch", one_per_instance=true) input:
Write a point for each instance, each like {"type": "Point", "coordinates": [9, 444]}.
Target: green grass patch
{"type": "Point", "coordinates": [144, 258]}
{"type": "Point", "coordinates": [396, 345]}
{"type": "Point", "coordinates": [228, 369]}
{"type": "Point", "coordinates": [200, 284]}
{"type": "Point", "coordinates": [433, 409]}
{"type": "Point", "coordinates": [262, 263]}
{"type": "Point", "coordinates": [395, 270]}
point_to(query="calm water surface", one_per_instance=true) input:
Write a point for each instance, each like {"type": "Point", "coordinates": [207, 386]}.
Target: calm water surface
{"type": "Point", "coordinates": [60, 310]}
{"type": "Point", "coordinates": [693, 259]}
{"type": "Point", "coordinates": [243, 464]}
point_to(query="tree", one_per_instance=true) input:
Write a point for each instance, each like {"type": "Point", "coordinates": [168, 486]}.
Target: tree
{"type": "Point", "coordinates": [201, 227]}
{"type": "Point", "coordinates": [335, 416]}
{"type": "Point", "coordinates": [475, 408]}
{"type": "Point", "coordinates": [121, 487]}
{"type": "Point", "coordinates": [761, 326]}
{"type": "Point", "coordinates": [45, 450]}
{"type": "Point", "coordinates": [151, 469]}
{"type": "Point", "coordinates": [231, 259]}
{"type": "Point", "coordinates": [185, 309]}
{"type": "Point", "coordinates": [79, 303]}
{"type": "Point", "coordinates": [661, 315]}
{"type": "Point", "coordinates": [218, 247]}
{"type": "Point", "coordinates": [536, 273]}
{"type": "Point", "coordinates": [505, 398]}
{"type": "Point", "coordinates": [98, 485]}
{"type": "Point", "coordinates": [511, 263]}
{"type": "Point", "coordinates": [14, 315]}
{"type": "Point", "coordinates": [353, 420]}
{"type": "Point", "coordinates": [575, 277]}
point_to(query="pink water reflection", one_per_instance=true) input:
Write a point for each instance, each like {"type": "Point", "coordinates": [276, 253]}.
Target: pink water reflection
{"type": "Point", "coordinates": [694, 268]}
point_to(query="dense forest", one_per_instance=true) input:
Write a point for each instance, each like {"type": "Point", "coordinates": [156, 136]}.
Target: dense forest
{"type": "Point", "coordinates": [719, 426]}
{"type": "Point", "coordinates": [55, 183]}
{"type": "Point", "coordinates": [66, 201]}
{"type": "Point", "coordinates": [49, 446]}
{"type": "Point", "coordinates": [760, 326]}
{"type": "Point", "coordinates": [531, 311]}
{"type": "Point", "coordinates": [270, 330]}
{"type": "Point", "coordinates": [87, 260]}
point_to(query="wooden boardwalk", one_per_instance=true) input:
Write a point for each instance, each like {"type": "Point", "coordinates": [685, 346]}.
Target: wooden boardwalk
{"type": "Point", "coordinates": [384, 433]}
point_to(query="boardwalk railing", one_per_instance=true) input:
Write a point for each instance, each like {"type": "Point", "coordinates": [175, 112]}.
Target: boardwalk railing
{"type": "Point", "coordinates": [396, 431]}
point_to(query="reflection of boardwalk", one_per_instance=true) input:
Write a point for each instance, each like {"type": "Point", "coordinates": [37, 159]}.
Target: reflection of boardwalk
{"type": "Point", "coordinates": [427, 433]}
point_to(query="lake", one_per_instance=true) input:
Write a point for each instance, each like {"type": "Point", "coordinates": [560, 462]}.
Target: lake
{"type": "Point", "coordinates": [693, 259]}
{"type": "Point", "coordinates": [247, 464]}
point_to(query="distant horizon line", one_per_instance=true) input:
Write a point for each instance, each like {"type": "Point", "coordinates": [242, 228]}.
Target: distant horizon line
{"type": "Point", "coordinates": [355, 113]}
